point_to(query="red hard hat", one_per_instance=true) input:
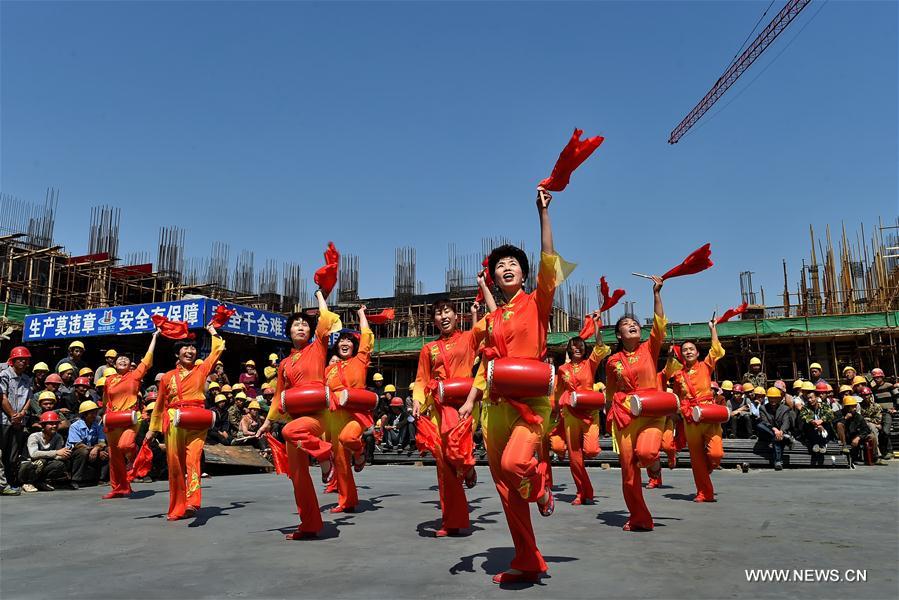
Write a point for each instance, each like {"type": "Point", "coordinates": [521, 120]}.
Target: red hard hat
{"type": "Point", "coordinates": [821, 387]}
{"type": "Point", "coordinates": [396, 402]}
{"type": "Point", "coordinates": [865, 391]}
{"type": "Point", "coordinates": [50, 417]}
{"type": "Point", "coordinates": [876, 372]}
{"type": "Point", "coordinates": [151, 396]}
{"type": "Point", "coordinates": [83, 381]}
{"type": "Point", "coordinates": [19, 352]}
{"type": "Point", "coordinates": [53, 378]}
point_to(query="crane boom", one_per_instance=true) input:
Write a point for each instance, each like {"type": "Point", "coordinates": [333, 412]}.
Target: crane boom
{"type": "Point", "coordinates": [739, 66]}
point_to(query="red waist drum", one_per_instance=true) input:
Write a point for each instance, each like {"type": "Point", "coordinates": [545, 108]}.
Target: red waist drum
{"type": "Point", "coordinates": [357, 400]}
{"type": "Point", "coordinates": [520, 378]}
{"type": "Point", "coordinates": [119, 419]}
{"type": "Point", "coordinates": [710, 413]}
{"type": "Point", "coordinates": [588, 400]}
{"type": "Point", "coordinates": [654, 403]}
{"type": "Point", "coordinates": [194, 419]}
{"type": "Point", "coordinates": [454, 392]}
{"type": "Point", "coordinates": [307, 399]}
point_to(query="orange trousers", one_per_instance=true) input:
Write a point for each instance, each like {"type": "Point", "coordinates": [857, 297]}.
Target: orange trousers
{"type": "Point", "coordinates": [706, 452]}
{"type": "Point", "coordinates": [302, 438]}
{"type": "Point", "coordinates": [638, 446]}
{"type": "Point", "coordinates": [122, 447]}
{"type": "Point", "coordinates": [345, 434]}
{"type": "Point", "coordinates": [453, 502]}
{"type": "Point", "coordinates": [583, 440]}
{"type": "Point", "coordinates": [183, 450]}
{"type": "Point", "coordinates": [512, 449]}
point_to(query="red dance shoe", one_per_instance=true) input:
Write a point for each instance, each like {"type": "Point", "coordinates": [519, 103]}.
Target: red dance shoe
{"type": "Point", "coordinates": [703, 498]}
{"type": "Point", "coordinates": [359, 463]}
{"type": "Point", "coordinates": [655, 480]}
{"type": "Point", "coordinates": [634, 527]}
{"type": "Point", "coordinates": [342, 509]}
{"type": "Point", "coordinates": [523, 577]}
{"type": "Point", "coordinates": [112, 495]}
{"type": "Point", "coordinates": [578, 501]}
{"type": "Point", "coordinates": [301, 535]}
{"type": "Point", "coordinates": [452, 531]}
{"type": "Point", "coordinates": [547, 508]}
{"type": "Point", "coordinates": [471, 478]}
{"type": "Point", "coordinates": [191, 511]}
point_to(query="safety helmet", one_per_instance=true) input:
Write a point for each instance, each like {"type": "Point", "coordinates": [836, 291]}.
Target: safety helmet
{"type": "Point", "coordinates": [49, 417]}
{"type": "Point", "coordinates": [877, 372]}
{"type": "Point", "coordinates": [250, 363]}
{"type": "Point", "coordinates": [53, 378]}
{"type": "Point", "coordinates": [727, 385]}
{"type": "Point", "coordinates": [755, 360]}
{"type": "Point", "coordinates": [272, 357]}
{"type": "Point", "coordinates": [773, 392]}
{"type": "Point", "coordinates": [85, 371]}
{"type": "Point", "coordinates": [849, 368]}
{"type": "Point", "coordinates": [240, 395]}
{"type": "Point", "coordinates": [19, 352]}
{"type": "Point", "coordinates": [221, 398]}
{"type": "Point", "coordinates": [396, 402]}
{"type": "Point", "coordinates": [253, 404]}
{"type": "Point", "coordinates": [390, 388]}
{"type": "Point", "coordinates": [226, 388]}
{"type": "Point", "coordinates": [87, 406]}
{"type": "Point", "coordinates": [111, 354]}
{"type": "Point", "coordinates": [40, 367]}
{"type": "Point", "coordinates": [845, 388]}
{"type": "Point", "coordinates": [76, 344]}
{"type": "Point", "coordinates": [214, 385]}
{"type": "Point", "coordinates": [859, 379]}
{"type": "Point", "coordinates": [850, 401]}
{"type": "Point", "coordinates": [821, 387]}
{"type": "Point", "coordinates": [797, 385]}
{"type": "Point", "coordinates": [377, 377]}
{"type": "Point", "coordinates": [815, 366]}
{"type": "Point", "coordinates": [46, 395]}
{"type": "Point", "coordinates": [85, 381]}
{"type": "Point", "coordinates": [66, 366]}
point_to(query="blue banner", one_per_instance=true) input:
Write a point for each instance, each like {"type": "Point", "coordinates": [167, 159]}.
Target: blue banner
{"type": "Point", "coordinates": [124, 320]}
{"type": "Point", "coordinates": [251, 321]}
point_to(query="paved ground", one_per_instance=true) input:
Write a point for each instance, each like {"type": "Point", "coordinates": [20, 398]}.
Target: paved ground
{"type": "Point", "coordinates": [69, 544]}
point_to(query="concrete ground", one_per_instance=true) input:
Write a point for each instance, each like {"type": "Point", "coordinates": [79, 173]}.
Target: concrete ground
{"type": "Point", "coordinates": [70, 544]}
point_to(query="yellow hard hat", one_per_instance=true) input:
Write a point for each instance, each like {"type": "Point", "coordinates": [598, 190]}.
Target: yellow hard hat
{"type": "Point", "coordinates": [377, 377]}
{"type": "Point", "coordinates": [727, 385]}
{"type": "Point", "coordinates": [815, 366]}
{"type": "Point", "coordinates": [66, 366]}
{"type": "Point", "coordinates": [46, 395]}
{"type": "Point", "coordinates": [755, 360]}
{"type": "Point", "coordinates": [253, 404]}
{"type": "Point", "coordinates": [848, 368]}
{"type": "Point", "coordinates": [759, 390]}
{"type": "Point", "coordinates": [599, 386]}
{"type": "Point", "coordinates": [272, 357]}
{"type": "Point", "coordinates": [87, 406]}
{"type": "Point", "coordinates": [101, 382]}
{"type": "Point", "coordinates": [845, 388]}
{"type": "Point", "coordinates": [808, 386]}
{"type": "Point", "coordinates": [214, 385]}
{"type": "Point", "coordinates": [221, 398]}
{"type": "Point", "coordinates": [250, 363]}
{"type": "Point", "coordinates": [238, 386]}
{"type": "Point", "coordinates": [76, 344]}
{"type": "Point", "coordinates": [150, 407]}
{"type": "Point", "coordinates": [772, 392]}
{"type": "Point", "coordinates": [41, 366]}
{"type": "Point", "coordinates": [240, 395]}
{"type": "Point", "coordinates": [270, 372]}
{"type": "Point", "coordinates": [390, 388]}
{"type": "Point", "coordinates": [850, 401]}
{"type": "Point", "coordinates": [797, 385]}
{"type": "Point", "coordinates": [859, 379]}
{"type": "Point", "coordinates": [226, 388]}
{"type": "Point", "coordinates": [107, 371]}
{"type": "Point", "coordinates": [85, 371]}
{"type": "Point", "coordinates": [111, 354]}
{"type": "Point", "coordinates": [412, 386]}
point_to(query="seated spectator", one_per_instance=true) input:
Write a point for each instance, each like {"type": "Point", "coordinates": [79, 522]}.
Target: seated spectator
{"type": "Point", "coordinates": [212, 390]}
{"type": "Point", "coordinates": [109, 362]}
{"type": "Point", "coordinates": [396, 427]}
{"type": "Point", "coordinates": [873, 414]}
{"type": "Point", "coordinates": [228, 391]}
{"type": "Point", "coordinates": [265, 401]}
{"type": "Point", "coordinates": [39, 373]}
{"type": "Point", "coordinates": [816, 420]}
{"type": "Point", "coordinates": [849, 374]}
{"type": "Point", "coordinates": [249, 425]}
{"type": "Point", "coordinates": [774, 425]}
{"type": "Point", "coordinates": [858, 382]}
{"type": "Point", "coordinates": [249, 378]}
{"type": "Point", "coordinates": [218, 375]}
{"type": "Point", "coordinates": [48, 457]}
{"type": "Point", "coordinates": [90, 460]}
{"type": "Point", "coordinates": [46, 402]}
{"type": "Point", "coordinates": [220, 432]}
{"type": "Point", "coordinates": [66, 391]}
{"type": "Point", "coordinates": [855, 434]}
{"type": "Point", "coordinates": [75, 358]}
{"type": "Point", "coordinates": [740, 417]}
{"type": "Point", "coordinates": [82, 391]}
{"type": "Point", "coordinates": [885, 395]}
{"type": "Point", "coordinates": [755, 376]}
{"type": "Point", "coordinates": [814, 373]}
{"type": "Point", "coordinates": [237, 411]}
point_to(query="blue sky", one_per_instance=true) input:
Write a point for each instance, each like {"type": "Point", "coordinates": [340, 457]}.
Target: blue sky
{"type": "Point", "coordinates": [276, 127]}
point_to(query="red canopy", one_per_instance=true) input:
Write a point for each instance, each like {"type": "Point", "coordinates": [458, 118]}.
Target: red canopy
{"type": "Point", "coordinates": [388, 314]}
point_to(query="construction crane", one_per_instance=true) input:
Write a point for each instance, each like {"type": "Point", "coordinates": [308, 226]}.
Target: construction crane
{"type": "Point", "coordinates": [739, 66]}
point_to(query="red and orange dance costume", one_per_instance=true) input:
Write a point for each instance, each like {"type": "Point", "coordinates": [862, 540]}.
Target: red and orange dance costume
{"type": "Point", "coordinates": [638, 439]}
{"type": "Point", "coordinates": [514, 430]}
{"type": "Point", "coordinates": [303, 436]}
{"type": "Point", "coordinates": [346, 427]}
{"type": "Point", "coordinates": [693, 386]}
{"type": "Point", "coordinates": [447, 357]}
{"type": "Point", "coordinates": [120, 394]}
{"type": "Point", "coordinates": [581, 428]}
{"type": "Point", "coordinates": [184, 388]}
